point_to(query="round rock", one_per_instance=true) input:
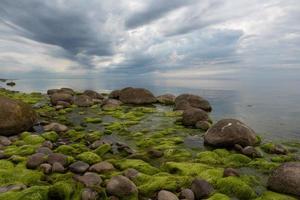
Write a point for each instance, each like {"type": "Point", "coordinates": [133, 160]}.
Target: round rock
{"type": "Point", "coordinates": [15, 116]}
{"type": "Point", "coordinates": [192, 115]}
{"type": "Point", "coordinates": [79, 167]}
{"type": "Point", "coordinates": [136, 96]}
{"type": "Point", "coordinates": [228, 132]}
{"type": "Point", "coordinates": [183, 101]}
{"type": "Point", "coordinates": [201, 188]}
{"type": "Point", "coordinates": [286, 179]}
{"type": "Point", "coordinates": [166, 195]}
{"type": "Point", "coordinates": [121, 186]}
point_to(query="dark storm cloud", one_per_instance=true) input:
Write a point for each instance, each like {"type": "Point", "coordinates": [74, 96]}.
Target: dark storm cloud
{"type": "Point", "coordinates": [154, 10]}
{"type": "Point", "coordinates": [49, 23]}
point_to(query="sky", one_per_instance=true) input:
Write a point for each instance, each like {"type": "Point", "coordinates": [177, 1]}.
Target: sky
{"type": "Point", "coordinates": [165, 38]}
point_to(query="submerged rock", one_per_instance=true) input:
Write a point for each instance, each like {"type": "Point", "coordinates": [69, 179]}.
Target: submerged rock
{"type": "Point", "coordinates": [184, 101]}
{"type": "Point", "coordinates": [228, 132]}
{"type": "Point", "coordinates": [136, 96]}
{"type": "Point", "coordinates": [15, 116]}
{"type": "Point", "coordinates": [121, 186]}
{"type": "Point", "coordinates": [286, 179]}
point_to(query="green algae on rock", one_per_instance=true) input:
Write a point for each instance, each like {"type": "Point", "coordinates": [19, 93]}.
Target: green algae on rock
{"type": "Point", "coordinates": [139, 165]}
{"type": "Point", "coordinates": [89, 157]}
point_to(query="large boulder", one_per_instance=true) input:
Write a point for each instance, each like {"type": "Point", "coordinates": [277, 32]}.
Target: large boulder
{"type": "Point", "coordinates": [136, 96]}
{"type": "Point", "coordinates": [83, 101]}
{"type": "Point", "coordinates": [115, 94]}
{"type": "Point", "coordinates": [15, 116]}
{"type": "Point", "coordinates": [93, 94]}
{"type": "Point", "coordinates": [286, 179]}
{"type": "Point", "coordinates": [61, 96]}
{"type": "Point", "coordinates": [185, 101]}
{"type": "Point", "coordinates": [121, 186]}
{"type": "Point", "coordinates": [228, 132]}
{"type": "Point", "coordinates": [193, 115]}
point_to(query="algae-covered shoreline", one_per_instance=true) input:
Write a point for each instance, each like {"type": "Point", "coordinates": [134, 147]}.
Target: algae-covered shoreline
{"type": "Point", "coordinates": [103, 146]}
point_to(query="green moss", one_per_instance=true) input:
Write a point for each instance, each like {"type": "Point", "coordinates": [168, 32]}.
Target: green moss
{"type": "Point", "coordinates": [207, 172]}
{"type": "Point", "coordinates": [218, 196]}
{"type": "Point", "coordinates": [268, 195]}
{"type": "Point", "coordinates": [263, 164]}
{"type": "Point", "coordinates": [61, 190]}
{"type": "Point", "coordinates": [19, 174]}
{"type": "Point", "coordinates": [116, 126]}
{"type": "Point", "coordinates": [96, 135]}
{"type": "Point", "coordinates": [173, 113]}
{"type": "Point", "coordinates": [148, 185]}
{"type": "Point", "coordinates": [74, 135]}
{"type": "Point", "coordinates": [222, 152]}
{"type": "Point", "coordinates": [282, 158]}
{"type": "Point", "coordinates": [89, 157]}
{"type": "Point", "coordinates": [209, 157]}
{"type": "Point", "coordinates": [177, 154]}
{"type": "Point", "coordinates": [103, 149]}
{"type": "Point", "coordinates": [139, 165]}
{"type": "Point", "coordinates": [24, 150]}
{"type": "Point", "coordinates": [25, 134]}
{"type": "Point", "coordinates": [5, 164]}
{"type": "Point", "coordinates": [235, 187]}
{"type": "Point", "coordinates": [236, 160]}
{"type": "Point", "coordinates": [66, 149]}
{"type": "Point", "coordinates": [51, 136]}
{"type": "Point", "coordinates": [94, 120]}
{"type": "Point", "coordinates": [33, 139]}
{"type": "Point", "coordinates": [32, 193]}
{"type": "Point", "coordinates": [267, 147]}
{"type": "Point", "coordinates": [17, 159]}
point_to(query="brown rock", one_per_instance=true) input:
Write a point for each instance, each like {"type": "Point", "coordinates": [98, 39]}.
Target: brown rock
{"type": "Point", "coordinates": [83, 101]}
{"type": "Point", "coordinates": [55, 127]}
{"type": "Point", "coordinates": [167, 99]}
{"type": "Point", "coordinates": [93, 94]}
{"type": "Point", "coordinates": [166, 195]}
{"type": "Point", "coordinates": [57, 157]}
{"type": "Point", "coordinates": [136, 96]}
{"type": "Point", "coordinates": [120, 186]}
{"type": "Point", "coordinates": [58, 168]}
{"type": "Point", "coordinates": [35, 160]}
{"type": "Point", "coordinates": [183, 101]}
{"type": "Point", "coordinates": [230, 172]}
{"type": "Point", "coordinates": [58, 97]}
{"type": "Point", "coordinates": [102, 167]}
{"type": "Point", "coordinates": [201, 188]}
{"type": "Point", "coordinates": [192, 115]}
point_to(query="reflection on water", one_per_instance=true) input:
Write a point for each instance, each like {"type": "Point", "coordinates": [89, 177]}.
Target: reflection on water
{"type": "Point", "coordinates": [269, 102]}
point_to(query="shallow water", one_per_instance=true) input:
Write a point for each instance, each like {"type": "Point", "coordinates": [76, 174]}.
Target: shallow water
{"type": "Point", "coordinates": [268, 101]}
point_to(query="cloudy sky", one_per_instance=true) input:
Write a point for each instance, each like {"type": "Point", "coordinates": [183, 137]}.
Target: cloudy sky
{"type": "Point", "coordinates": [170, 38]}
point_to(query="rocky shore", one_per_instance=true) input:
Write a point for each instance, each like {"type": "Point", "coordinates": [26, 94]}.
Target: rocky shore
{"type": "Point", "coordinates": [131, 145]}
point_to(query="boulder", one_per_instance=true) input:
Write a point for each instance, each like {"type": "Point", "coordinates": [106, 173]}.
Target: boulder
{"type": "Point", "coordinates": [59, 96]}
{"type": "Point", "coordinates": [89, 179]}
{"type": "Point", "coordinates": [120, 186]}
{"type": "Point", "coordinates": [166, 195]}
{"type": "Point", "coordinates": [15, 116]}
{"type": "Point", "coordinates": [79, 167]}
{"type": "Point", "coordinates": [187, 194]}
{"type": "Point", "coordinates": [89, 194]}
{"type": "Point", "coordinates": [35, 160]}
{"type": "Point", "coordinates": [183, 101]}
{"type": "Point", "coordinates": [102, 167]}
{"type": "Point", "coordinates": [167, 99]}
{"type": "Point", "coordinates": [58, 168]}
{"type": "Point", "coordinates": [115, 94]}
{"type": "Point", "coordinates": [203, 125]}
{"type": "Point", "coordinates": [136, 96]}
{"type": "Point", "coordinates": [110, 104]}
{"type": "Point", "coordinates": [192, 115]}
{"type": "Point", "coordinates": [93, 94]}
{"type": "Point", "coordinates": [229, 132]}
{"type": "Point", "coordinates": [52, 91]}
{"type": "Point", "coordinates": [201, 188]}
{"type": "Point", "coordinates": [286, 179]}
{"type": "Point", "coordinates": [58, 157]}
{"type": "Point", "coordinates": [67, 91]}
{"type": "Point", "coordinates": [83, 101]}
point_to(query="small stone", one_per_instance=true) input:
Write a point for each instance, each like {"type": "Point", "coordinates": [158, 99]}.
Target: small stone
{"type": "Point", "coordinates": [89, 179]}
{"type": "Point", "coordinates": [35, 160]}
{"type": "Point", "coordinates": [153, 153]}
{"type": "Point", "coordinates": [131, 173]}
{"type": "Point", "coordinates": [120, 186]}
{"type": "Point", "coordinates": [251, 152]}
{"type": "Point", "coordinates": [203, 125]}
{"type": "Point", "coordinates": [187, 194]}
{"type": "Point", "coordinates": [48, 144]}
{"type": "Point", "coordinates": [5, 141]}
{"type": "Point", "coordinates": [79, 167]}
{"type": "Point", "coordinates": [96, 144]}
{"type": "Point", "coordinates": [230, 172]}
{"type": "Point", "coordinates": [46, 168]}
{"type": "Point", "coordinates": [58, 167]}
{"type": "Point", "coordinates": [56, 127]}
{"type": "Point", "coordinates": [44, 150]}
{"type": "Point", "coordinates": [201, 188]}
{"type": "Point", "coordinates": [238, 147]}
{"type": "Point", "coordinates": [102, 167]}
{"type": "Point", "coordinates": [166, 195]}
{"type": "Point", "coordinates": [89, 194]}
{"type": "Point", "coordinates": [57, 157]}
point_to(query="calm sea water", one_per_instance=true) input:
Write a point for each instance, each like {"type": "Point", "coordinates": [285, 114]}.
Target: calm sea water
{"type": "Point", "coordinates": [266, 100]}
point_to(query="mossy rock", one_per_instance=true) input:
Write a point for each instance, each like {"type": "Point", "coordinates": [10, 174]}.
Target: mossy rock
{"type": "Point", "coordinates": [178, 154]}
{"type": "Point", "coordinates": [235, 187]}
{"type": "Point", "coordinates": [103, 149]}
{"type": "Point", "coordinates": [61, 190]}
{"type": "Point", "coordinates": [32, 193]}
{"type": "Point", "coordinates": [89, 157]}
{"type": "Point", "coordinates": [94, 120]}
{"type": "Point", "coordinates": [149, 184]}
{"type": "Point", "coordinates": [66, 149]}
{"type": "Point", "coordinates": [268, 195]}
{"type": "Point", "coordinates": [263, 164]}
{"type": "Point", "coordinates": [33, 139]}
{"type": "Point", "coordinates": [24, 150]}
{"type": "Point", "coordinates": [139, 165]}
{"type": "Point", "coordinates": [51, 136]}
